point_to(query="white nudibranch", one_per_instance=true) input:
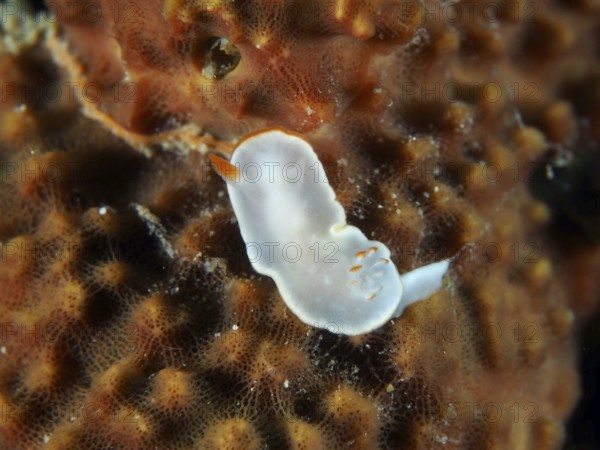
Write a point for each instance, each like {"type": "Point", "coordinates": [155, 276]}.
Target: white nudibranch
{"type": "Point", "coordinates": [327, 272]}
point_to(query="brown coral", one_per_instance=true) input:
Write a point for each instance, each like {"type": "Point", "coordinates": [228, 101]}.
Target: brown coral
{"type": "Point", "coordinates": [131, 317]}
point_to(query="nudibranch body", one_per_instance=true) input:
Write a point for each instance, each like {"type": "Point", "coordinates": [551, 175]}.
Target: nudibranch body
{"type": "Point", "coordinates": [327, 272]}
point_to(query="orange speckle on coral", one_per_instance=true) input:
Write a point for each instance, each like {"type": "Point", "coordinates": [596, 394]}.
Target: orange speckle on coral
{"type": "Point", "coordinates": [173, 390]}
{"type": "Point", "coordinates": [111, 274]}
{"type": "Point", "coordinates": [353, 415]}
{"type": "Point", "coordinates": [42, 371]}
{"type": "Point", "coordinates": [305, 436]}
{"type": "Point", "coordinates": [274, 364]}
{"type": "Point", "coordinates": [231, 434]}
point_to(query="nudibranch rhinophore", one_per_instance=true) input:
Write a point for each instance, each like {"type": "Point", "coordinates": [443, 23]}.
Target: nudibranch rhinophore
{"type": "Point", "coordinates": [327, 272]}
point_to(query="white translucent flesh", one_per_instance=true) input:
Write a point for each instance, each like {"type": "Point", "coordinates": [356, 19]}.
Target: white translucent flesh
{"type": "Point", "coordinates": [421, 283]}
{"type": "Point", "coordinates": [289, 212]}
{"type": "Point", "coordinates": [328, 273]}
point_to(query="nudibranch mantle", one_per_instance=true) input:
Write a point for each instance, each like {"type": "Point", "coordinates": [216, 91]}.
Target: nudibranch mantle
{"type": "Point", "coordinates": [327, 272]}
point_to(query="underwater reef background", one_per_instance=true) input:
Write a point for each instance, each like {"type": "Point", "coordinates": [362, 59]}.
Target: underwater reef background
{"type": "Point", "coordinates": [130, 316]}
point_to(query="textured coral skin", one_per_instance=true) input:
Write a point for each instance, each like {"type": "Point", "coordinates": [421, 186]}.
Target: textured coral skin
{"type": "Point", "coordinates": [131, 317]}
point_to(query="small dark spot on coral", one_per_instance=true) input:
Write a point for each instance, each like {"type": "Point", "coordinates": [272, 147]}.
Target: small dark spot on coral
{"type": "Point", "coordinates": [473, 150]}
{"type": "Point", "coordinates": [101, 308]}
{"type": "Point", "coordinates": [476, 313]}
{"type": "Point", "coordinates": [583, 90]}
{"type": "Point", "coordinates": [227, 386]}
{"type": "Point", "coordinates": [307, 408]}
{"type": "Point", "coordinates": [443, 238]}
{"type": "Point", "coordinates": [218, 57]}
{"type": "Point", "coordinates": [423, 117]}
{"type": "Point", "coordinates": [542, 40]}
{"type": "Point", "coordinates": [272, 431]}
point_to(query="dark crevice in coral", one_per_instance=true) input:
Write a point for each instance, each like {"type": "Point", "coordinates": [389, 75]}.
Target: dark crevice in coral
{"type": "Point", "coordinates": [539, 43]}
{"type": "Point", "coordinates": [39, 6]}
{"type": "Point", "coordinates": [42, 91]}
{"type": "Point", "coordinates": [443, 238]}
{"type": "Point", "coordinates": [474, 151]}
{"type": "Point", "coordinates": [226, 242]}
{"type": "Point", "coordinates": [308, 406]}
{"type": "Point", "coordinates": [41, 82]}
{"type": "Point", "coordinates": [103, 176]}
{"type": "Point", "coordinates": [102, 308]}
{"type": "Point", "coordinates": [39, 410]}
{"type": "Point", "coordinates": [418, 189]}
{"type": "Point", "coordinates": [174, 430]}
{"type": "Point", "coordinates": [573, 194]}
{"type": "Point", "coordinates": [395, 436]}
{"type": "Point", "coordinates": [177, 205]}
{"type": "Point", "coordinates": [73, 372]}
{"type": "Point", "coordinates": [569, 183]}
{"type": "Point", "coordinates": [368, 365]}
{"type": "Point", "coordinates": [206, 315]}
{"type": "Point", "coordinates": [176, 188]}
{"type": "Point", "coordinates": [583, 90]}
{"type": "Point", "coordinates": [583, 425]}
{"type": "Point", "coordinates": [473, 311]}
{"type": "Point", "coordinates": [381, 150]}
{"type": "Point", "coordinates": [228, 387]}
{"type": "Point", "coordinates": [423, 117]}
{"type": "Point", "coordinates": [477, 46]}
{"type": "Point", "coordinates": [403, 431]}
{"type": "Point", "coordinates": [273, 430]}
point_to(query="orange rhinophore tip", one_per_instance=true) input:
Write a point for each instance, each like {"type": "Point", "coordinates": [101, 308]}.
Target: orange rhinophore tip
{"type": "Point", "coordinates": [224, 168]}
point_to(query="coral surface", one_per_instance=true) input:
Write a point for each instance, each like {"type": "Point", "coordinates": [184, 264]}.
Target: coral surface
{"type": "Point", "coordinates": [130, 315]}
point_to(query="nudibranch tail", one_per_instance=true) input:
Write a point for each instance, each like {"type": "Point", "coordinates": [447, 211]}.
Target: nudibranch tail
{"type": "Point", "coordinates": [422, 283]}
